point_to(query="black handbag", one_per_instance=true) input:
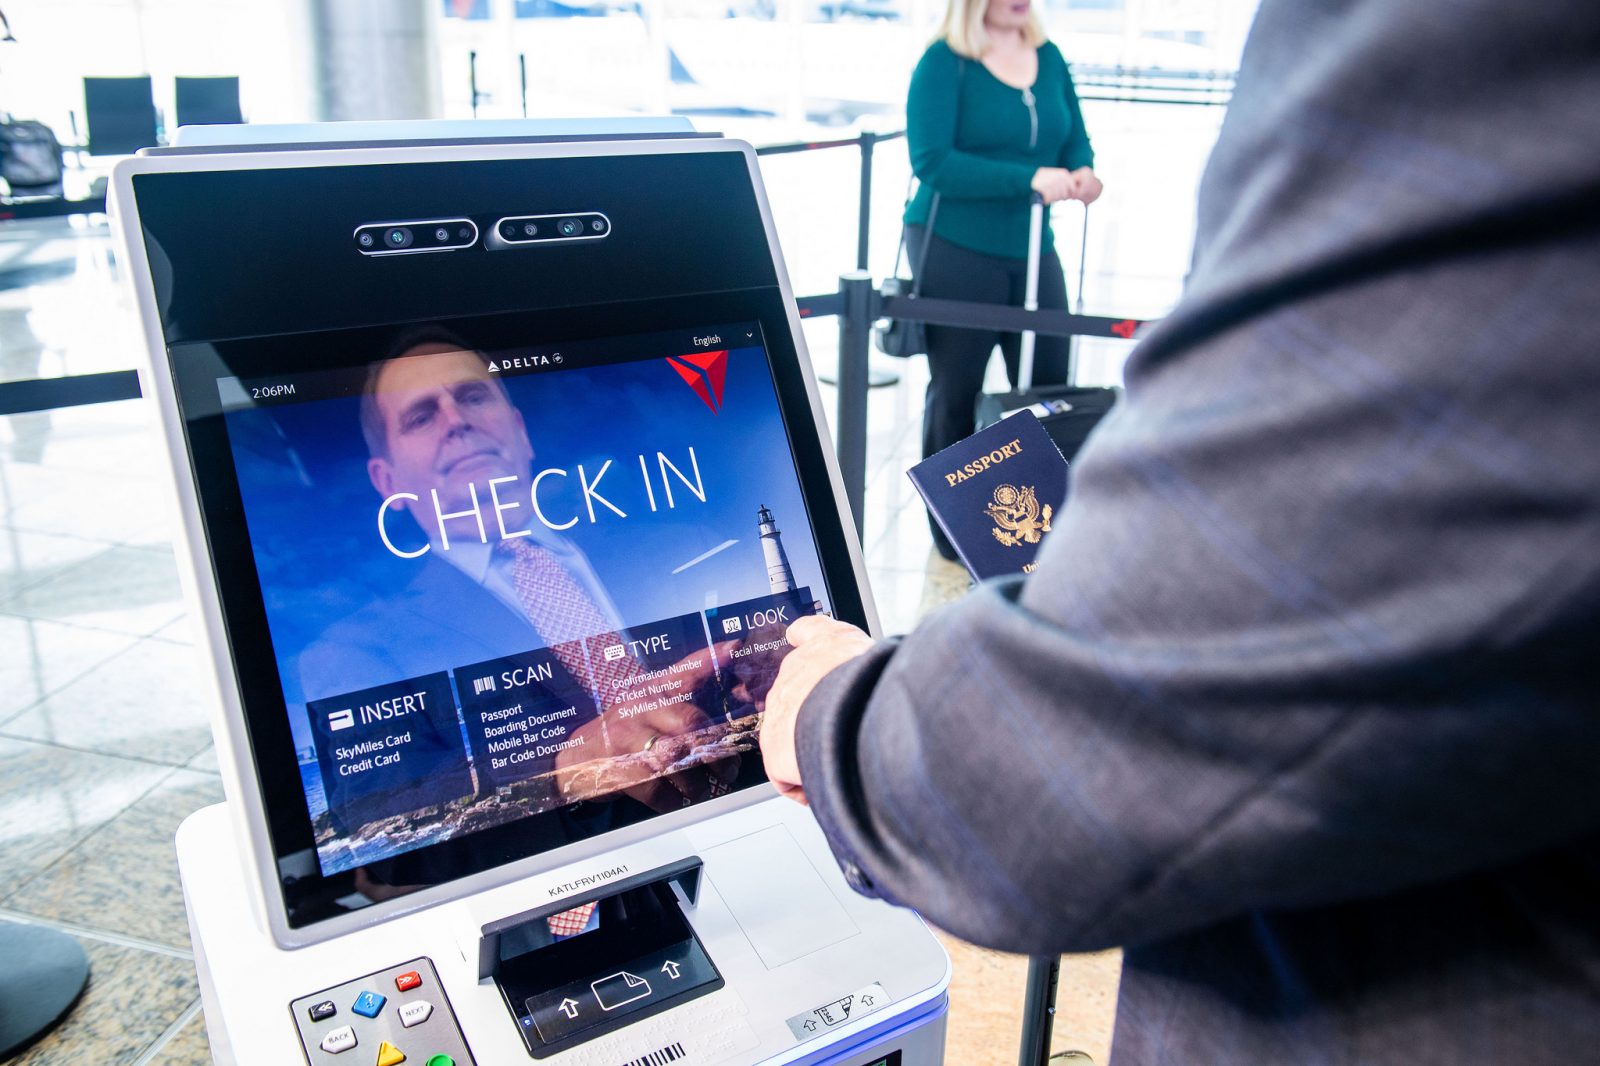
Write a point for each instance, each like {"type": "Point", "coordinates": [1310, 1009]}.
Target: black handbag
{"type": "Point", "coordinates": [897, 336]}
{"type": "Point", "coordinates": [894, 336]}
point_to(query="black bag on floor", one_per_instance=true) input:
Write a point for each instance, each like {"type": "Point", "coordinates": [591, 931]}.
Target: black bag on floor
{"type": "Point", "coordinates": [1069, 412]}
{"type": "Point", "coordinates": [30, 158]}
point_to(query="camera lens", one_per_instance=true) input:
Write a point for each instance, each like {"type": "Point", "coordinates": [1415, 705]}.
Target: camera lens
{"type": "Point", "coordinates": [398, 237]}
{"type": "Point", "coordinates": [570, 227]}
{"type": "Point", "coordinates": [464, 234]}
{"type": "Point", "coordinates": [441, 234]}
{"type": "Point", "coordinates": [598, 225]}
{"type": "Point", "coordinates": [508, 230]}
{"type": "Point", "coordinates": [365, 240]}
{"type": "Point", "coordinates": [530, 229]}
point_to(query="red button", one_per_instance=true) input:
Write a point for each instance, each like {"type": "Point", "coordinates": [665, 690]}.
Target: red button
{"type": "Point", "coordinates": [407, 981]}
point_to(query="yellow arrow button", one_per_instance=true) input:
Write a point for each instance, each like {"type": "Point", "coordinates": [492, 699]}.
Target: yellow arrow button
{"type": "Point", "coordinates": [389, 1055]}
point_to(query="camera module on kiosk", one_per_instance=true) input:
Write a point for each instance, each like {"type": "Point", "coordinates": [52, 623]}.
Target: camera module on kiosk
{"type": "Point", "coordinates": [424, 235]}
{"type": "Point", "coordinates": [531, 229]}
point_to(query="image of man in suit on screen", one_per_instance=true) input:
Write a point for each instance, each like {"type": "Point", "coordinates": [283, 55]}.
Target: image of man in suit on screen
{"type": "Point", "coordinates": [436, 422]}
{"type": "Point", "coordinates": [450, 455]}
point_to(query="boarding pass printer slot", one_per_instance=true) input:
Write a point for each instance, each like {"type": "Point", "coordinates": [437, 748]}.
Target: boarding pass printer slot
{"type": "Point", "coordinates": [591, 963]}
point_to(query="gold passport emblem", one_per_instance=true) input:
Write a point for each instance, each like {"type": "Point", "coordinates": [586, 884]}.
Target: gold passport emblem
{"type": "Point", "coordinates": [1017, 516]}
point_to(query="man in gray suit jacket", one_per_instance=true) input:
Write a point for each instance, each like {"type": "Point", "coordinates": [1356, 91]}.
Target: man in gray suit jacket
{"type": "Point", "coordinates": [440, 429]}
{"type": "Point", "coordinates": [1300, 706]}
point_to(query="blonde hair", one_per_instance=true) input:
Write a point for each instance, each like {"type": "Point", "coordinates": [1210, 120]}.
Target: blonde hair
{"type": "Point", "coordinates": [963, 29]}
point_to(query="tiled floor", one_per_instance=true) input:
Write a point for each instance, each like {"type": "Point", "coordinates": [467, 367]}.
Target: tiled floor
{"type": "Point", "coordinates": [99, 720]}
{"type": "Point", "coordinates": [105, 747]}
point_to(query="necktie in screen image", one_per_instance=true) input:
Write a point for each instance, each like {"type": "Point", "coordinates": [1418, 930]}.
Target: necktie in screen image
{"type": "Point", "coordinates": [558, 606]}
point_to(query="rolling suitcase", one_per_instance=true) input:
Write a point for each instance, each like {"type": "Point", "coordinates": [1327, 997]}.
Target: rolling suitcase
{"type": "Point", "coordinates": [1069, 412]}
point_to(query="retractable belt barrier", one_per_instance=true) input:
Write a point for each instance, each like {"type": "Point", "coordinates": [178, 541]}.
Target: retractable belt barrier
{"type": "Point", "coordinates": [50, 207]}
{"type": "Point", "coordinates": [1005, 317]}
{"type": "Point", "coordinates": [858, 304]}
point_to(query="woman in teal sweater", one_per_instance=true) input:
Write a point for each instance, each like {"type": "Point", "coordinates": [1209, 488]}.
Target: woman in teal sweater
{"type": "Point", "coordinates": [991, 118]}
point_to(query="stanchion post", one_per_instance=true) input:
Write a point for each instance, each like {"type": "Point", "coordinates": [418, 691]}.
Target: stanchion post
{"type": "Point", "coordinates": [855, 321]}
{"type": "Point", "coordinates": [1039, 1009]}
{"type": "Point", "coordinates": [869, 141]}
{"type": "Point", "coordinates": [876, 378]}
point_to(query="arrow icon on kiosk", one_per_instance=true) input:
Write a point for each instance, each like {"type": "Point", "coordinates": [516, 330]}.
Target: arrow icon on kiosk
{"type": "Point", "coordinates": [671, 969]}
{"type": "Point", "coordinates": [569, 1007]}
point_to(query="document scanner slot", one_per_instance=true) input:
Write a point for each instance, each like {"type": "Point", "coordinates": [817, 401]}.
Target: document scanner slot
{"type": "Point", "coordinates": [568, 976]}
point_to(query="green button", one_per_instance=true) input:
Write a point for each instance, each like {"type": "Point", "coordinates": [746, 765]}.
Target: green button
{"type": "Point", "coordinates": [441, 1060]}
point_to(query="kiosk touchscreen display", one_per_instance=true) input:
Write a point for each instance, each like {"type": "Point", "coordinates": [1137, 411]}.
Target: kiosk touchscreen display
{"type": "Point", "coordinates": [515, 596]}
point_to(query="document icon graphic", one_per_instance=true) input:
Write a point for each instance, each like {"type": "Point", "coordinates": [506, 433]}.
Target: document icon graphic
{"type": "Point", "coordinates": [619, 990]}
{"type": "Point", "coordinates": [341, 720]}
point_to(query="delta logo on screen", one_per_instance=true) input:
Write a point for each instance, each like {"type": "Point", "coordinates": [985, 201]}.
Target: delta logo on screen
{"type": "Point", "coordinates": [704, 372]}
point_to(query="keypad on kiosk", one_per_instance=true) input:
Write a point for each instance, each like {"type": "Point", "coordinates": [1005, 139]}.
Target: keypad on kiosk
{"type": "Point", "coordinates": [393, 1016]}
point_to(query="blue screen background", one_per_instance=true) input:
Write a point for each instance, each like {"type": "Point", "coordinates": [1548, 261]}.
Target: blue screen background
{"type": "Point", "coordinates": [312, 512]}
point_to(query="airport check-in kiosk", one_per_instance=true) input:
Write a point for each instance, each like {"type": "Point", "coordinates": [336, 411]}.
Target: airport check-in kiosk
{"type": "Point", "coordinates": [502, 472]}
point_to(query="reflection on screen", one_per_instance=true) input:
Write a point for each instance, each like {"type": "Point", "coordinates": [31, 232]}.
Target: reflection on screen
{"type": "Point", "coordinates": [501, 584]}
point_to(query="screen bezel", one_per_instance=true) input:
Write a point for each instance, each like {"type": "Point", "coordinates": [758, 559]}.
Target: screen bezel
{"type": "Point", "coordinates": [308, 894]}
{"type": "Point", "coordinates": [798, 393]}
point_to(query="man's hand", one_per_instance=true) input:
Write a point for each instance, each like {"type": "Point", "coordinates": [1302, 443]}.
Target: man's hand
{"type": "Point", "coordinates": [818, 645]}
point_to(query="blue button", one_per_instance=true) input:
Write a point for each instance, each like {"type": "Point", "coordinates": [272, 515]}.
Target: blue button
{"type": "Point", "coordinates": [368, 1004]}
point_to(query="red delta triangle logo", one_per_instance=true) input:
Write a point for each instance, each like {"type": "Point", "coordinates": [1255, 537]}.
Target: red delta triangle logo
{"type": "Point", "coordinates": [704, 372]}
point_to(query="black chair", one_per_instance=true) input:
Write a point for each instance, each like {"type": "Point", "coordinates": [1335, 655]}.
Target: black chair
{"type": "Point", "coordinates": [208, 101]}
{"type": "Point", "coordinates": [121, 115]}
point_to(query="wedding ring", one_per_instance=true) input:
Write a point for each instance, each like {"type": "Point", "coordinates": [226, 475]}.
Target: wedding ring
{"type": "Point", "coordinates": [651, 743]}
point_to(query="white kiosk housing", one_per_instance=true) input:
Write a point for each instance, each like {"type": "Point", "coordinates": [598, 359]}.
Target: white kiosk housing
{"type": "Point", "coordinates": [481, 452]}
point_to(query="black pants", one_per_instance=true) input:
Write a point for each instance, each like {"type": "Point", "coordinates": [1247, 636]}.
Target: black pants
{"type": "Point", "coordinates": [957, 358]}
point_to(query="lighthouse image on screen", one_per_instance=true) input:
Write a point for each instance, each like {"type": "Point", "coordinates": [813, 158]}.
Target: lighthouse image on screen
{"type": "Point", "coordinates": [505, 583]}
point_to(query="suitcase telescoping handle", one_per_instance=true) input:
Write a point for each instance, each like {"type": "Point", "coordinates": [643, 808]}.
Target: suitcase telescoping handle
{"type": "Point", "coordinates": [1030, 300]}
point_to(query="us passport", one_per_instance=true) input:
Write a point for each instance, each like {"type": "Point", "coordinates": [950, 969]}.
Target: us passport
{"type": "Point", "coordinates": [995, 494]}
